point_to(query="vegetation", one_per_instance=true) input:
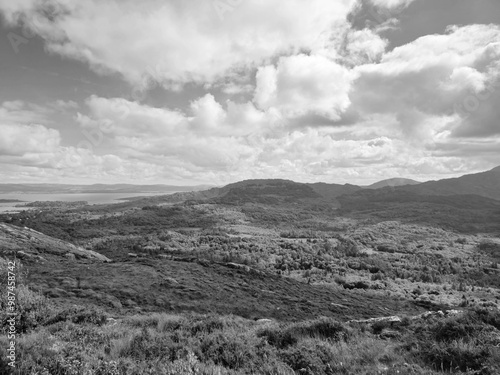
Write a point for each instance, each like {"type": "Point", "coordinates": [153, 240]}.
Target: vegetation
{"type": "Point", "coordinates": [62, 340]}
{"type": "Point", "coordinates": [266, 279]}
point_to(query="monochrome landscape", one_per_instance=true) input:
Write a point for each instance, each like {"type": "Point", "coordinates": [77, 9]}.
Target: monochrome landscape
{"type": "Point", "coordinates": [229, 187]}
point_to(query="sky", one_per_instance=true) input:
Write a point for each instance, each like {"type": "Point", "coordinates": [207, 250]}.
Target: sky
{"type": "Point", "coordinates": [218, 91]}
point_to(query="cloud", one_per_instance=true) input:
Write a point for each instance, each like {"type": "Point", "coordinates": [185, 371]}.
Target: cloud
{"type": "Point", "coordinates": [63, 105]}
{"type": "Point", "coordinates": [17, 111]}
{"type": "Point", "coordinates": [301, 84]}
{"type": "Point", "coordinates": [18, 140]}
{"type": "Point", "coordinates": [430, 77]}
{"type": "Point", "coordinates": [363, 46]}
{"type": "Point", "coordinates": [311, 97]}
{"type": "Point", "coordinates": [176, 41]}
{"type": "Point", "coordinates": [391, 3]}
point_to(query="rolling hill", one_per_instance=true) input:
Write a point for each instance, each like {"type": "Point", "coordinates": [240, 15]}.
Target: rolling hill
{"type": "Point", "coordinates": [392, 182]}
{"type": "Point", "coordinates": [485, 184]}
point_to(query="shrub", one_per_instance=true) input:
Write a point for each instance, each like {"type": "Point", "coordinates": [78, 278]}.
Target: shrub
{"type": "Point", "coordinates": [227, 350]}
{"type": "Point", "coordinates": [310, 357]}
{"type": "Point", "coordinates": [459, 354]}
{"type": "Point", "coordinates": [31, 308]}
{"type": "Point", "coordinates": [278, 337]}
{"type": "Point", "coordinates": [148, 346]}
{"type": "Point", "coordinates": [79, 315]}
{"type": "Point", "coordinates": [324, 328]}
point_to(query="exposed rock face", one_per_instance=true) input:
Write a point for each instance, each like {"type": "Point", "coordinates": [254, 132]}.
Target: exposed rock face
{"type": "Point", "coordinates": [396, 319]}
{"type": "Point", "coordinates": [28, 243]}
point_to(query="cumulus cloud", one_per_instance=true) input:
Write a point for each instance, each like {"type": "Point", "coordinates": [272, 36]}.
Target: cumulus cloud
{"type": "Point", "coordinates": [363, 46]}
{"type": "Point", "coordinates": [312, 98]}
{"type": "Point", "coordinates": [392, 3]}
{"type": "Point", "coordinates": [21, 139]}
{"type": "Point", "coordinates": [178, 41]}
{"type": "Point", "coordinates": [431, 76]}
{"type": "Point", "coordinates": [300, 84]}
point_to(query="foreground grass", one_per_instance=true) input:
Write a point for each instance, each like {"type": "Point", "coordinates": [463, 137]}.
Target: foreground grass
{"type": "Point", "coordinates": [78, 341]}
{"type": "Point", "coordinates": [75, 340]}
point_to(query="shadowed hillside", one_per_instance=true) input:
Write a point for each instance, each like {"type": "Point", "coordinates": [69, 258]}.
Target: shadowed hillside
{"type": "Point", "coordinates": [485, 184]}
{"type": "Point", "coordinates": [393, 182]}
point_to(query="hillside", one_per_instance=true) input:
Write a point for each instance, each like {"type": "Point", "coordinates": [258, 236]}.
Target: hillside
{"type": "Point", "coordinates": [393, 182]}
{"type": "Point", "coordinates": [461, 213]}
{"type": "Point", "coordinates": [29, 244]}
{"type": "Point", "coordinates": [272, 266]}
{"type": "Point", "coordinates": [331, 192]}
{"type": "Point", "coordinates": [485, 184]}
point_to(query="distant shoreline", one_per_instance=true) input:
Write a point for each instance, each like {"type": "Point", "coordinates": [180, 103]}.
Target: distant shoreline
{"type": "Point", "coordinates": [11, 201]}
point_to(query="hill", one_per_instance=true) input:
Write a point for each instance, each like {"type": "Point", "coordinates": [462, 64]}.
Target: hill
{"type": "Point", "coordinates": [30, 244]}
{"type": "Point", "coordinates": [485, 184]}
{"type": "Point", "coordinates": [331, 192]}
{"type": "Point", "coordinates": [393, 182]}
{"type": "Point", "coordinates": [459, 212]}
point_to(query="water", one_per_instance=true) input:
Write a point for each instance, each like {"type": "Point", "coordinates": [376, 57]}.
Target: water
{"type": "Point", "coordinates": [91, 198]}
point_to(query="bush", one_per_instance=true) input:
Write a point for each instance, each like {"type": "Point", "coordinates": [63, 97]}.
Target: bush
{"type": "Point", "coordinates": [31, 308]}
{"type": "Point", "coordinates": [324, 328]}
{"type": "Point", "coordinates": [79, 315]}
{"type": "Point", "coordinates": [227, 350]}
{"type": "Point", "coordinates": [459, 354]}
{"type": "Point", "coordinates": [309, 358]}
{"type": "Point", "coordinates": [463, 342]}
{"type": "Point", "coordinates": [277, 337]}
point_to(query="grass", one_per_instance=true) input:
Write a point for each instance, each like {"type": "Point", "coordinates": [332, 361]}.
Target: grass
{"type": "Point", "coordinates": [78, 341]}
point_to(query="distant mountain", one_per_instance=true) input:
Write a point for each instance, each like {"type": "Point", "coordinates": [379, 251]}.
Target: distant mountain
{"type": "Point", "coordinates": [332, 191]}
{"type": "Point", "coordinates": [270, 191]}
{"type": "Point", "coordinates": [265, 191]}
{"type": "Point", "coordinates": [393, 182]}
{"type": "Point", "coordinates": [485, 184]}
{"type": "Point", "coordinates": [95, 188]}
{"type": "Point", "coordinates": [458, 212]}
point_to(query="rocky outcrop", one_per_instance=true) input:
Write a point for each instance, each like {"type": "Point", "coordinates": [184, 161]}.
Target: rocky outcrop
{"type": "Point", "coordinates": [394, 320]}
{"type": "Point", "coordinates": [28, 244]}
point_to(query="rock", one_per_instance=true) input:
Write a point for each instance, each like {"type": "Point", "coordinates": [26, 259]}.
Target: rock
{"type": "Point", "coordinates": [387, 248]}
{"type": "Point", "coordinates": [26, 239]}
{"type": "Point", "coordinates": [264, 321]}
{"type": "Point", "coordinates": [338, 305]}
{"type": "Point", "coordinates": [132, 255]}
{"type": "Point", "coordinates": [23, 255]}
{"type": "Point", "coordinates": [386, 319]}
{"type": "Point", "coordinates": [70, 256]}
{"type": "Point", "coordinates": [167, 281]}
{"type": "Point", "coordinates": [390, 334]}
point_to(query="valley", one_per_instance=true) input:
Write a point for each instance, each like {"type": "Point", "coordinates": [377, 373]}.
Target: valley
{"type": "Point", "coordinates": [264, 250]}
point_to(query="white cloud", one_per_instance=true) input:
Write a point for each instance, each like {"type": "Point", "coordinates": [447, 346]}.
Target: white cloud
{"type": "Point", "coordinates": [19, 139]}
{"type": "Point", "coordinates": [363, 46]}
{"type": "Point", "coordinates": [178, 41]}
{"type": "Point", "coordinates": [429, 76]}
{"type": "Point", "coordinates": [391, 3]}
{"type": "Point", "coordinates": [301, 84]}
{"type": "Point", "coordinates": [17, 111]}
{"type": "Point", "coordinates": [329, 103]}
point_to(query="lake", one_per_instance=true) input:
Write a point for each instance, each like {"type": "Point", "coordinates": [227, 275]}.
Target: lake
{"type": "Point", "coordinates": [91, 198]}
